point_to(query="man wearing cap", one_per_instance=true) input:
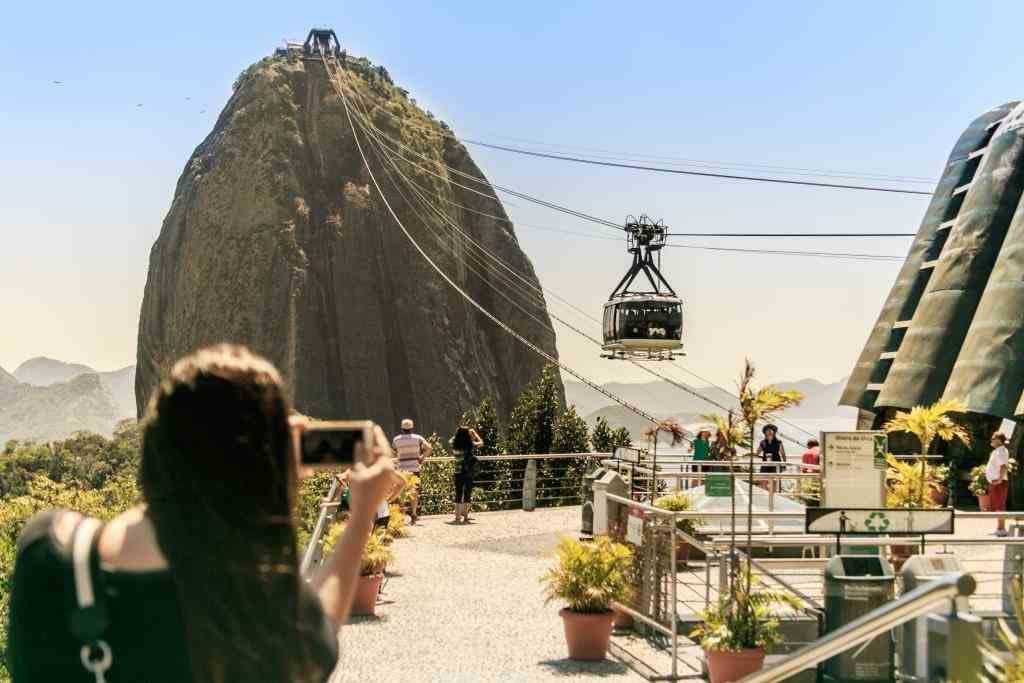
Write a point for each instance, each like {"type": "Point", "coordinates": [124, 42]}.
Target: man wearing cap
{"type": "Point", "coordinates": [410, 450]}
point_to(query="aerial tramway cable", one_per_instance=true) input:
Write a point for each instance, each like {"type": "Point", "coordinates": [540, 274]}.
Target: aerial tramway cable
{"type": "Point", "coordinates": [682, 161]}
{"type": "Point", "coordinates": [538, 301]}
{"type": "Point", "coordinates": [381, 136]}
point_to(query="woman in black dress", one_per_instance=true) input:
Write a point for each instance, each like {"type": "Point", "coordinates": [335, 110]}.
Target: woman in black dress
{"type": "Point", "coordinates": [463, 444]}
{"type": "Point", "coordinates": [771, 449]}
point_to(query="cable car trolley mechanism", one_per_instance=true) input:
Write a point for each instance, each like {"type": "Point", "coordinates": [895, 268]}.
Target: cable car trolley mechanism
{"type": "Point", "coordinates": [643, 325]}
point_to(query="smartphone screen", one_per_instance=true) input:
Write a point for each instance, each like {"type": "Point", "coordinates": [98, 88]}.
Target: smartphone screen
{"type": "Point", "coordinates": [331, 446]}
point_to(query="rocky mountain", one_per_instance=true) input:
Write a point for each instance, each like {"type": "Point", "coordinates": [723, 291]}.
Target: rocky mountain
{"type": "Point", "coordinates": [42, 372]}
{"type": "Point", "coordinates": [7, 378]}
{"type": "Point", "coordinates": [277, 239]}
{"type": "Point", "coordinates": [56, 411]}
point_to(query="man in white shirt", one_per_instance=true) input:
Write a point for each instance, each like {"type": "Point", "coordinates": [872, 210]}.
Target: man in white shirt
{"type": "Point", "coordinates": [998, 484]}
{"type": "Point", "coordinates": [410, 451]}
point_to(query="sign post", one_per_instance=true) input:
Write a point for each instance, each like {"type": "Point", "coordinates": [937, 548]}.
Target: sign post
{"type": "Point", "coordinates": [718, 485]}
{"type": "Point", "coordinates": [879, 521]}
{"type": "Point", "coordinates": [853, 469]}
{"type": "Point", "coordinates": [635, 526]}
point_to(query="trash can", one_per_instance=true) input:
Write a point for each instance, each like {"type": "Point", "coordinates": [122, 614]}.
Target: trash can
{"type": "Point", "coordinates": [926, 651]}
{"type": "Point", "coordinates": [587, 521]}
{"type": "Point", "coordinates": [854, 586]}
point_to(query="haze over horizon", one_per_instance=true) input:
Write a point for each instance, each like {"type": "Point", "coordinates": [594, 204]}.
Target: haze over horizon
{"type": "Point", "coordinates": [92, 161]}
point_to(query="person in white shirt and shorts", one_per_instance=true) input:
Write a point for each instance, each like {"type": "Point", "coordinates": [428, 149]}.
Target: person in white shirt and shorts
{"type": "Point", "coordinates": [996, 473]}
{"type": "Point", "coordinates": [410, 451]}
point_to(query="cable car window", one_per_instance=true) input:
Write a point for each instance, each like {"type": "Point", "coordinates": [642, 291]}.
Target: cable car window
{"type": "Point", "coordinates": [649, 320]}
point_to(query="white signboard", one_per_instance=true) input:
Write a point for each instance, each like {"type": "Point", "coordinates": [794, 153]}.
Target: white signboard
{"type": "Point", "coordinates": [879, 521]}
{"type": "Point", "coordinates": [853, 469]}
{"type": "Point", "coordinates": [635, 527]}
{"type": "Point", "coordinates": [628, 454]}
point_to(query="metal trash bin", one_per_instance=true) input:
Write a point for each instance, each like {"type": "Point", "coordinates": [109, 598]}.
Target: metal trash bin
{"type": "Point", "coordinates": [854, 586]}
{"type": "Point", "coordinates": [587, 512]}
{"type": "Point", "coordinates": [929, 647]}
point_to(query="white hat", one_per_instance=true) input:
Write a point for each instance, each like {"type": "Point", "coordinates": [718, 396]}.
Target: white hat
{"type": "Point", "coordinates": [407, 424]}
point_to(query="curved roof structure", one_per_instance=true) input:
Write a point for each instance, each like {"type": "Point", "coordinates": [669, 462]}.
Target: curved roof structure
{"type": "Point", "coordinates": [953, 324]}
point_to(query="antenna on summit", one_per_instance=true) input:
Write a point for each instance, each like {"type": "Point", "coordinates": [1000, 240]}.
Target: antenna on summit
{"type": "Point", "coordinates": [321, 41]}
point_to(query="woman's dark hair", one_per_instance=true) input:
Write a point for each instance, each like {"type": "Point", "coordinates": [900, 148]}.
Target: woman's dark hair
{"type": "Point", "coordinates": [775, 430]}
{"type": "Point", "coordinates": [219, 476]}
{"type": "Point", "coordinates": [812, 443]}
{"type": "Point", "coordinates": [462, 441]}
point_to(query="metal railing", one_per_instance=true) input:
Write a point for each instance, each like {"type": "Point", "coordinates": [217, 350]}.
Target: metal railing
{"type": "Point", "coordinates": [917, 602]}
{"type": "Point", "coordinates": [509, 482]}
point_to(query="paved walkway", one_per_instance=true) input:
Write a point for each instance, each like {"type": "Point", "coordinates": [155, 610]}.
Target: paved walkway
{"type": "Point", "coordinates": [465, 604]}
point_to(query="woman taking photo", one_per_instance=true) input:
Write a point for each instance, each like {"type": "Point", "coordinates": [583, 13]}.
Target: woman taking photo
{"type": "Point", "coordinates": [463, 443]}
{"type": "Point", "coordinates": [201, 582]}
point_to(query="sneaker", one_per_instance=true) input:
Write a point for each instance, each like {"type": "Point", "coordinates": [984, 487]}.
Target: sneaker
{"type": "Point", "coordinates": [1002, 532]}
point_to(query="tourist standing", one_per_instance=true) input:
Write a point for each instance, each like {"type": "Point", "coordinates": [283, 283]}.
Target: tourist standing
{"type": "Point", "coordinates": [465, 441]}
{"type": "Point", "coordinates": [812, 456]}
{"type": "Point", "coordinates": [411, 450]}
{"type": "Point", "coordinates": [701, 451]}
{"type": "Point", "coordinates": [996, 473]}
{"type": "Point", "coordinates": [771, 449]}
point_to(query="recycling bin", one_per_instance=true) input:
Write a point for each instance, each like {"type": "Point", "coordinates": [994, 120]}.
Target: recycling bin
{"type": "Point", "coordinates": [854, 586]}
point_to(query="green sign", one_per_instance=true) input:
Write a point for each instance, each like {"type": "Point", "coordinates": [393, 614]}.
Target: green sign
{"type": "Point", "coordinates": [718, 486]}
{"type": "Point", "coordinates": [881, 448]}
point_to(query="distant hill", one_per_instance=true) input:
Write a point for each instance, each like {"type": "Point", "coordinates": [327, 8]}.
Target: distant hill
{"type": "Point", "coordinates": [49, 399]}
{"type": "Point", "coordinates": [42, 372]}
{"type": "Point", "coordinates": [56, 411]}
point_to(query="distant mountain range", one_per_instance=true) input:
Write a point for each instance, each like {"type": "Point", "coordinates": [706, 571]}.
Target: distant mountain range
{"type": "Point", "coordinates": [46, 399]}
{"type": "Point", "coordinates": [663, 400]}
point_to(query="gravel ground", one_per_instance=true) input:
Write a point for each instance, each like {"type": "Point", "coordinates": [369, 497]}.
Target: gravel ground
{"type": "Point", "coordinates": [464, 604]}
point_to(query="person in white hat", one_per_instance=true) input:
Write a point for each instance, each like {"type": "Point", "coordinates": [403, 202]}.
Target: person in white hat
{"type": "Point", "coordinates": [410, 450]}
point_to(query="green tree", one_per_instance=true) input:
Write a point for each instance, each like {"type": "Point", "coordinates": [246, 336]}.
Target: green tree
{"type": "Point", "coordinates": [928, 423]}
{"type": "Point", "coordinates": [565, 476]}
{"type": "Point", "coordinates": [531, 426]}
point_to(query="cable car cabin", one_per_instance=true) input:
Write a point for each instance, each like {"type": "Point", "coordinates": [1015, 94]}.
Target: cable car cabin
{"type": "Point", "coordinates": [646, 327]}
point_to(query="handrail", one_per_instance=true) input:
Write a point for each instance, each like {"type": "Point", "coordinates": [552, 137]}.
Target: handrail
{"type": "Point", "coordinates": [917, 602]}
{"type": "Point", "coordinates": [520, 456]}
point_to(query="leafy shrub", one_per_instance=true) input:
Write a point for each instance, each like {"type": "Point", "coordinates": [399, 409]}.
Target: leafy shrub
{"type": "Point", "coordinates": [589, 576]}
{"type": "Point", "coordinates": [679, 502]}
{"type": "Point", "coordinates": [905, 486]}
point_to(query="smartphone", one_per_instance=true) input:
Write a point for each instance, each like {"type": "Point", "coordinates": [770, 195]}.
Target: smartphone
{"type": "Point", "coordinates": [333, 444]}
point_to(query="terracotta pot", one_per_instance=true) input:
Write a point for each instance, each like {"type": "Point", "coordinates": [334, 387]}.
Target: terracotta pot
{"type": "Point", "coordinates": [940, 495]}
{"type": "Point", "coordinates": [622, 620]}
{"type": "Point", "coordinates": [984, 502]}
{"type": "Point", "coordinates": [682, 553]}
{"type": "Point", "coordinates": [587, 634]}
{"type": "Point", "coordinates": [365, 602]}
{"type": "Point", "coordinates": [725, 666]}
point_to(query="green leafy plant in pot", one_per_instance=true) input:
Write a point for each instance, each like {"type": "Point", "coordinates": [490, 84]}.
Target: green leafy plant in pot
{"type": "Point", "coordinates": [735, 632]}
{"type": "Point", "coordinates": [979, 487]}
{"type": "Point", "coordinates": [588, 576]}
{"type": "Point", "coordinates": [680, 502]}
{"type": "Point", "coordinates": [377, 555]}
{"type": "Point", "coordinates": [909, 485]}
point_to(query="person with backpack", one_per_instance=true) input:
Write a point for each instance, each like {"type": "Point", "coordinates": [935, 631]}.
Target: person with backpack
{"type": "Point", "coordinates": [463, 444]}
{"type": "Point", "coordinates": [201, 583]}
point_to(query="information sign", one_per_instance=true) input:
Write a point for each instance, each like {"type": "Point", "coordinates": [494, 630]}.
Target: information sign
{"type": "Point", "coordinates": [876, 521]}
{"type": "Point", "coordinates": [635, 526]}
{"type": "Point", "coordinates": [853, 469]}
{"type": "Point", "coordinates": [718, 485]}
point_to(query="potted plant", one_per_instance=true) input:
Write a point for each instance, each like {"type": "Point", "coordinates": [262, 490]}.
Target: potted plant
{"type": "Point", "coordinates": [588, 576]}
{"type": "Point", "coordinates": [908, 485]}
{"type": "Point", "coordinates": [377, 555]}
{"type": "Point", "coordinates": [735, 632]}
{"type": "Point", "coordinates": [680, 502]}
{"type": "Point", "coordinates": [979, 487]}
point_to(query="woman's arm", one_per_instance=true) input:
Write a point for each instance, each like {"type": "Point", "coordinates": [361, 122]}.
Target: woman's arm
{"type": "Point", "coordinates": [477, 441]}
{"type": "Point", "coordinates": [368, 488]}
{"type": "Point", "coordinates": [782, 451]}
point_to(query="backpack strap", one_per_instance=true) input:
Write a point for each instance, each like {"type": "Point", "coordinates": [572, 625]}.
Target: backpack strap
{"type": "Point", "coordinates": [89, 618]}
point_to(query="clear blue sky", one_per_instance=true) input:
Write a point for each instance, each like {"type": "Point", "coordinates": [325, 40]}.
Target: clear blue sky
{"type": "Point", "coordinates": [874, 87]}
